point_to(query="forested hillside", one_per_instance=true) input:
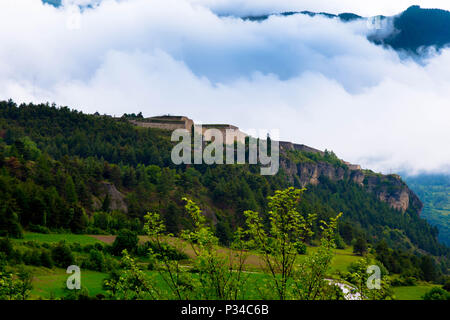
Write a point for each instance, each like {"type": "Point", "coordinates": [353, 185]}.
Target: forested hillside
{"type": "Point", "coordinates": [64, 170]}
{"type": "Point", "coordinates": [417, 27]}
{"type": "Point", "coordinates": [434, 190]}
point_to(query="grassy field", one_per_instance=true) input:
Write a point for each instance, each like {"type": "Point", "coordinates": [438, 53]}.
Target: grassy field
{"type": "Point", "coordinates": [54, 238]}
{"type": "Point", "coordinates": [342, 259]}
{"type": "Point", "coordinates": [49, 283]}
{"type": "Point", "coordinates": [412, 293]}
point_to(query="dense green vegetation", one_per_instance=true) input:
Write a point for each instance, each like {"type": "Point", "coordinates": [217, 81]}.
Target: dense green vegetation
{"type": "Point", "coordinates": [64, 174]}
{"type": "Point", "coordinates": [57, 164]}
{"type": "Point", "coordinates": [49, 283]}
{"type": "Point", "coordinates": [434, 191]}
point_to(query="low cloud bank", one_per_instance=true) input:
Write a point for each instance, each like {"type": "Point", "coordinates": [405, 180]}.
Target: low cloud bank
{"type": "Point", "coordinates": [318, 80]}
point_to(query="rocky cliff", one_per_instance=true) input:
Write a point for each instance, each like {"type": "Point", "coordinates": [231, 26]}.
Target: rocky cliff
{"type": "Point", "coordinates": [116, 198]}
{"type": "Point", "coordinates": [387, 188]}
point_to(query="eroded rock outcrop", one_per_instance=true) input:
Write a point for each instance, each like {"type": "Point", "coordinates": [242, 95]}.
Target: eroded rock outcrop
{"type": "Point", "coordinates": [387, 188]}
{"type": "Point", "coordinates": [116, 198]}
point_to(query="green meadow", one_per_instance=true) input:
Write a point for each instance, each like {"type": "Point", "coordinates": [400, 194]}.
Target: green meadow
{"type": "Point", "coordinates": [54, 238]}
{"type": "Point", "coordinates": [412, 292]}
{"type": "Point", "coordinates": [50, 283]}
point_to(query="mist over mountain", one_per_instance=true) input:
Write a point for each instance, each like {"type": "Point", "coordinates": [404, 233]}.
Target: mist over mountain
{"type": "Point", "coordinates": [434, 191]}
{"type": "Point", "coordinates": [355, 106]}
{"type": "Point", "coordinates": [105, 163]}
{"type": "Point", "coordinates": [141, 56]}
{"type": "Point", "coordinates": [411, 30]}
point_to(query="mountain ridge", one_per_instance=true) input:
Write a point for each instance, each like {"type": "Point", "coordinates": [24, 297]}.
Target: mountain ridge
{"type": "Point", "coordinates": [65, 170]}
{"type": "Point", "coordinates": [413, 29]}
{"type": "Point", "coordinates": [309, 173]}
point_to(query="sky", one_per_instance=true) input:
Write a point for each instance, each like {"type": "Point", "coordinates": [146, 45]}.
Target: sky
{"type": "Point", "coordinates": [361, 7]}
{"type": "Point", "coordinates": [319, 81]}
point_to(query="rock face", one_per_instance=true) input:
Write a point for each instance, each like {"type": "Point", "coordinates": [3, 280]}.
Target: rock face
{"type": "Point", "coordinates": [387, 188]}
{"type": "Point", "coordinates": [309, 173]}
{"type": "Point", "coordinates": [394, 191]}
{"type": "Point", "coordinates": [117, 199]}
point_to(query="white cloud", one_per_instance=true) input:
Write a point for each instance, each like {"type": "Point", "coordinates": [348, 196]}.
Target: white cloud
{"type": "Point", "coordinates": [318, 80]}
{"type": "Point", "coordinates": [364, 8]}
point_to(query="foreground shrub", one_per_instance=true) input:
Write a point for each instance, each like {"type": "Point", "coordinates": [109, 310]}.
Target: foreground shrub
{"type": "Point", "coordinates": [6, 247]}
{"type": "Point", "coordinates": [62, 255]}
{"type": "Point", "coordinates": [125, 240]}
{"type": "Point", "coordinates": [436, 293]}
{"type": "Point", "coordinates": [164, 250]}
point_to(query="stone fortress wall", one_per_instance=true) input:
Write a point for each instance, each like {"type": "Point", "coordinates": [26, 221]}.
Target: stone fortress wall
{"type": "Point", "coordinates": [165, 122]}
{"type": "Point", "coordinates": [181, 122]}
{"type": "Point", "coordinates": [229, 132]}
{"type": "Point", "coordinates": [168, 122]}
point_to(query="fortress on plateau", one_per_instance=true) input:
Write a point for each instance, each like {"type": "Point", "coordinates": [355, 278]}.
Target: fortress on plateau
{"type": "Point", "coordinates": [304, 173]}
{"type": "Point", "coordinates": [169, 122]}
{"type": "Point", "coordinates": [181, 122]}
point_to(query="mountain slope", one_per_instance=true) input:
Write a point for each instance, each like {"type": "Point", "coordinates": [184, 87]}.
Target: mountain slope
{"type": "Point", "coordinates": [64, 170]}
{"type": "Point", "coordinates": [417, 27]}
{"type": "Point", "coordinates": [434, 190]}
{"type": "Point", "coordinates": [412, 29]}
{"type": "Point", "coordinates": [55, 3]}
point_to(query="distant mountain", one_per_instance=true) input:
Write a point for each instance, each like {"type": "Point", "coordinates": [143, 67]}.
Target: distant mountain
{"type": "Point", "coordinates": [343, 16]}
{"type": "Point", "coordinates": [60, 168]}
{"type": "Point", "coordinates": [412, 29]}
{"type": "Point", "coordinates": [417, 27]}
{"type": "Point", "coordinates": [434, 191]}
{"type": "Point", "coordinates": [55, 3]}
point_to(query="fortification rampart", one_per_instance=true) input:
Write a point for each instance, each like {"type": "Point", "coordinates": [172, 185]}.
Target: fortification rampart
{"type": "Point", "coordinates": [165, 123]}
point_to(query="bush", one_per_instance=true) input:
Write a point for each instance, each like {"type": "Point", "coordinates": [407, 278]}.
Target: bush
{"type": "Point", "coordinates": [38, 229]}
{"type": "Point", "coordinates": [126, 239]}
{"type": "Point", "coordinates": [404, 281]}
{"type": "Point", "coordinates": [166, 250]}
{"type": "Point", "coordinates": [87, 248]}
{"type": "Point", "coordinates": [111, 263]}
{"type": "Point", "coordinates": [9, 224]}
{"type": "Point", "coordinates": [446, 286]}
{"type": "Point", "coordinates": [32, 244]}
{"type": "Point", "coordinates": [301, 248]}
{"type": "Point", "coordinates": [82, 294]}
{"type": "Point", "coordinates": [46, 245]}
{"type": "Point", "coordinates": [32, 257]}
{"type": "Point", "coordinates": [360, 246]}
{"type": "Point", "coordinates": [6, 246]}
{"type": "Point", "coordinates": [98, 246]}
{"type": "Point", "coordinates": [436, 293]}
{"type": "Point", "coordinates": [62, 255]}
{"type": "Point", "coordinates": [96, 260]}
{"type": "Point", "coordinates": [76, 247]}
{"type": "Point", "coordinates": [46, 259]}
{"type": "Point", "coordinates": [95, 230]}
{"type": "Point", "coordinates": [340, 243]}
{"type": "Point", "coordinates": [410, 281]}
